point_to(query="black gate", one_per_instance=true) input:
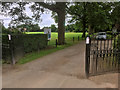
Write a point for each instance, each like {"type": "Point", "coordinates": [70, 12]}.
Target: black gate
{"type": "Point", "coordinates": [102, 56]}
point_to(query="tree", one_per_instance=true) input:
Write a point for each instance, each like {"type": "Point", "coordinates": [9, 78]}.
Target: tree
{"type": "Point", "coordinates": [78, 12]}
{"type": "Point", "coordinates": [70, 28]}
{"type": "Point", "coordinates": [92, 15]}
{"type": "Point", "coordinates": [53, 28]}
{"type": "Point", "coordinates": [58, 7]}
{"type": "Point", "coordinates": [29, 27]}
{"type": "Point", "coordinates": [115, 15]}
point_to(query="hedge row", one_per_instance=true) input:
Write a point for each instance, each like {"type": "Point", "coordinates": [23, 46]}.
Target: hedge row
{"type": "Point", "coordinates": [23, 43]}
{"type": "Point", "coordinates": [34, 42]}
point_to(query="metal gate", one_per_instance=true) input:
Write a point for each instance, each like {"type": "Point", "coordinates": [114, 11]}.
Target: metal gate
{"type": "Point", "coordinates": [102, 56]}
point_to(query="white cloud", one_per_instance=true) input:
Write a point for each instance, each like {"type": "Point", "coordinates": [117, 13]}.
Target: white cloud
{"type": "Point", "coordinates": [6, 20]}
{"type": "Point", "coordinates": [28, 11]}
{"type": "Point", "coordinates": [47, 20]}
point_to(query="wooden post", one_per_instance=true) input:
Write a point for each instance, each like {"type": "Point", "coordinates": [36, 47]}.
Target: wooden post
{"type": "Point", "coordinates": [118, 54]}
{"type": "Point", "coordinates": [11, 48]}
{"type": "Point", "coordinates": [87, 59]}
{"type": "Point", "coordinates": [73, 39]}
{"type": "Point", "coordinates": [56, 43]}
{"type": "Point", "coordinates": [78, 38]}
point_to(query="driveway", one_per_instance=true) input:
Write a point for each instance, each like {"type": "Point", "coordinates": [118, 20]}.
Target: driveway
{"type": "Point", "coordinates": [61, 69]}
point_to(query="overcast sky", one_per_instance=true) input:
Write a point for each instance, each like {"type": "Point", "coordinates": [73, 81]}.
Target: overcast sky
{"type": "Point", "coordinates": [47, 20]}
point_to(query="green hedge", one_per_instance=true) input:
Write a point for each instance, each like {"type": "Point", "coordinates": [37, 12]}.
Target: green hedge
{"type": "Point", "coordinates": [23, 43]}
{"type": "Point", "coordinates": [5, 51]}
{"type": "Point", "coordinates": [118, 39]}
{"type": "Point", "coordinates": [33, 42]}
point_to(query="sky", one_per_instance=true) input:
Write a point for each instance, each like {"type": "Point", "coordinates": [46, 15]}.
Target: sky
{"type": "Point", "coordinates": [47, 20]}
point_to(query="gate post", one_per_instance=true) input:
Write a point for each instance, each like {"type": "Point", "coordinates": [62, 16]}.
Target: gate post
{"type": "Point", "coordinates": [11, 48]}
{"type": "Point", "coordinates": [87, 57]}
{"type": "Point", "coordinates": [118, 53]}
{"type": "Point", "coordinates": [56, 43]}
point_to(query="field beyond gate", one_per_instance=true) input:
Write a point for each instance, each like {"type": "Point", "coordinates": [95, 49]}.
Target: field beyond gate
{"type": "Point", "coordinates": [102, 56]}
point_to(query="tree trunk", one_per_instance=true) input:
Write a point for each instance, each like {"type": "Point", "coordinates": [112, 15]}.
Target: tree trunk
{"type": "Point", "coordinates": [59, 8]}
{"type": "Point", "coordinates": [90, 29]}
{"type": "Point", "coordinates": [61, 27]}
{"type": "Point", "coordinates": [84, 28]}
{"type": "Point", "coordinates": [84, 19]}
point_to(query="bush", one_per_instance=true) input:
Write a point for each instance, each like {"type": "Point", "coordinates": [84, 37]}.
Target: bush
{"type": "Point", "coordinates": [5, 51]}
{"type": "Point", "coordinates": [34, 42]}
{"type": "Point", "coordinates": [23, 43]}
{"type": "Point", "coordinates": [13, 31]}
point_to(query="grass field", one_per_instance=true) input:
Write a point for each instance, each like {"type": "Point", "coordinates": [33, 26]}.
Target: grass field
{"type": "Point", "coordinates": [54, 35]}
{"type": "Point", "coordinates": [68, 39]}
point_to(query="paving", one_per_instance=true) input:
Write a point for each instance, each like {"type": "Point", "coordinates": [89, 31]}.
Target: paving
{"type": "Point", "coordinates": [62, 69]}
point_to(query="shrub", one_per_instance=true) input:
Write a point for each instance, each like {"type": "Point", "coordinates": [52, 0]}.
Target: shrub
{"type": "Point", "coordinates": [33, 42]}
{"type": "Point", "coordinates": [23, 43]}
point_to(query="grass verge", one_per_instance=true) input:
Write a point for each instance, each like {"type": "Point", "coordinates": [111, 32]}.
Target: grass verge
{"type": "Point", "coordinates": [35, 55]}
{"type": "Point", "coordinates": [68, 39]}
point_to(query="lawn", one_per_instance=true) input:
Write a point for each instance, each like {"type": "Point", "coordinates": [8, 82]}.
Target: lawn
{"type": "Point", "coordinates": [54, 35]}
{"type": "Point", "coordinates": [68, 39]}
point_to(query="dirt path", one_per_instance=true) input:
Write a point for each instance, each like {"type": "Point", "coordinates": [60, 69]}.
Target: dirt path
{"type": "Point", "coordinates": [62, 69]}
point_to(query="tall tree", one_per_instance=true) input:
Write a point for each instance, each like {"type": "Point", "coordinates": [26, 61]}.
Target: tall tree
{"type": "Point", "coordinates": [93, 15]}
{"type": "Point", "coordinates": [78, 12]}
{"type": "Point", "coordinates": [59, 8]}
{"type": "Point", "coordinates": [115, 15]}
{"type": "Point", "coordinates": [18, 14]}
{"type": "Point", "coordinates": [53, 28]}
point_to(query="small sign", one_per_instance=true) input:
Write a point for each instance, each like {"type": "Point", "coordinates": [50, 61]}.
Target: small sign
{"type": "Point", "coordinates": [48, 32]}
{"type": "Point", "coordinates": [9, 36]}
{"type": "Point", "coordinates": [87, 40]}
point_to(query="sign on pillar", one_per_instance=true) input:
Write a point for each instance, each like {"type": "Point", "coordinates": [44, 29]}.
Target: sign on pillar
{"type": "Point", "coordinates": [87, 40]}
{"type": "Point", "coordinates": [9, 36]}
{"type": "Point", "coordinates": [48, 32]}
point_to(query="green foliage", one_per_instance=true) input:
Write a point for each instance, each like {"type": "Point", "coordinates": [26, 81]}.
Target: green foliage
{"type": "Point", "coordinates": [98, 16]}
{"type": "Point", "coordinates": [34, 55]}
{"type": "Point", "coordinates": [29, 27]}
{"type": "Point", "coordinates": [115, 15]}
{"type": "Point", "coordinates": [24, 43]}
{"type": "Point", "coordinates": [118, 42]}
{"type": "Point", "coordinates": [4, 30]}
{"type": "Point", "coordinates": [34, 42]}
{"type": "Point", "coordinates": [5, 51]}
{"type": "Point", "coordinates": [31, 43]}
{"type": "Point", "coordinates": [69, 28]}
{"type": "Point", "coordinates": [68, 37]}
{"type": "Point", "coordinates": [55, 17]}
{"type": "Point", "coordinates": [11, 31]}
{"type": "Point", "coordinates": [69, 41]}
{"type": "Point", "coordinates": [53, 28]}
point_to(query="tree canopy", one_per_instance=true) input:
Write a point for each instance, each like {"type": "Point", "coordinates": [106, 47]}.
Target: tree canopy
{"type": "Point", "coordinates": [95, 15]}
{"type": "Point", "coordinates": [90, 16]}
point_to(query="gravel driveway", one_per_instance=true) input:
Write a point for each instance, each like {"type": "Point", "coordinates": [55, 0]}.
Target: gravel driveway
{"type": "Point", "coordinates": [62, 69]}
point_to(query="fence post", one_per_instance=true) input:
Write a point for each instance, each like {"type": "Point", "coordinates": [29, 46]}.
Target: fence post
{"type": "Point", "coordinates": [56, 43]}
{"type": "Point", "coordinates": [73, 39]}
{"type": "Point", "coordinates": [11, 48]}
{"type": "Point", "coordinates": [118, 53]}
{"type": "Point", "coordinates": [78, 38]}
{"type": "Point", "coordinates": [87, 59]}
